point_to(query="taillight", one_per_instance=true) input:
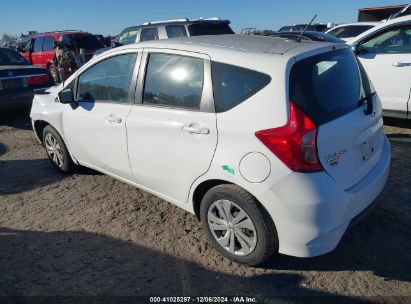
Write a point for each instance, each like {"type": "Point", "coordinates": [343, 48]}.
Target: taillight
{"type": "Point", "coordinates": [295, 144]}
{"type": "Point", "coordinates": [39, 79]}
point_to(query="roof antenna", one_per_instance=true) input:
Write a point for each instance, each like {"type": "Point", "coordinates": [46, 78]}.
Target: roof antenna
{"type": "Point", "coordinates": [302, 33]}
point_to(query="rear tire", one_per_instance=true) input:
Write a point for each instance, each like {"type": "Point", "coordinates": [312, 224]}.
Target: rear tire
{"type": "Point", "coordinates": [54, 73]}
{"type": "Point", "coordinates": [237, 225]}
{"type": "Point", "coordinates": [56, 150]}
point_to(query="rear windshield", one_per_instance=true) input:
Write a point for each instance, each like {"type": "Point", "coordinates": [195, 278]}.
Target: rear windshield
{"type": "Point", "coordinates": [198, 29]}
{"type": "Point", "coordinates": [10, 57]}
{"type": "Point", "coordinates": [87, 42]}
{"type": "Point", "coordinates": [329, 85]}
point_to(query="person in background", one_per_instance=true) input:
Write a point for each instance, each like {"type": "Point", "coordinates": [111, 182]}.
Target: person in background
{"type": "Point", "coordinates": [65, 60]}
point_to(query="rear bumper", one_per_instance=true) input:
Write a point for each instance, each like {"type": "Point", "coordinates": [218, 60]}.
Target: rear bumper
{"type": "Point", "coordinates": [312, 213]}
{"type": "Point", "coordinates": [18, 98]}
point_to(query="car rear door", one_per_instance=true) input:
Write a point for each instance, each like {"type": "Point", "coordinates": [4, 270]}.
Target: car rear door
{"type": "Point", "coordinates": [171, 130]}
{"type": "Point", "coordinates": [36, 55]}
{"type": "Point", "coordinates": [386, 56]}
{"type": "Point", "coordinates": [331, 89]}
{"type": "Point", "coordinates": [95, 130]}
{"type": "Point", "coordinates": [48, 51]}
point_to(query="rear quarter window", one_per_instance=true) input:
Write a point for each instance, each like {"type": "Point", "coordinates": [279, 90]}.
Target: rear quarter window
{"type": "Point", "coordinates": [198, 29]}
{"type": "Point", "coordinates": [232, 85]}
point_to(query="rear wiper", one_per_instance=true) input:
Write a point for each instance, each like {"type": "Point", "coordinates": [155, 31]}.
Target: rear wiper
{"type": "Point", "coordinates": [370, 105]}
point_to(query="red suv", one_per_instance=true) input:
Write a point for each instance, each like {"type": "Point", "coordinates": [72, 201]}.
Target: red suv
{"type": "Point", "coordinates": [39, 50]}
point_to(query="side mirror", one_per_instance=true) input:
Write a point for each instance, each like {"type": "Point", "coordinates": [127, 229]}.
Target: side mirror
{"type": "Point", "coordinates": [67, 97]}
{"type": "Point", "coordinates": [115, 44]}
{"type": "Point", "coordinates": [358, 50]}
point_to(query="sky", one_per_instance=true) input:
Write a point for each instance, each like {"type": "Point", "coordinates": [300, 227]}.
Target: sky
{"type": "Point", "coordinates": [109, 17]}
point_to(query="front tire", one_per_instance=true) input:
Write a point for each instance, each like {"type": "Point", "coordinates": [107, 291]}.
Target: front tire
{"type": "Point", "coordinates": [56, 150]}
{"type": "Point", "coordinates": [238, 226]}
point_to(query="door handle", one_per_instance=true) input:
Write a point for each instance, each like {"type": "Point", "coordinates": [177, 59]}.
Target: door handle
{"type": "Point", "coordinates": [400, 64]}
{"type": "Point", "coordinates": [196, 130]}
{"type": "Point", "coordinates": [113, 118]}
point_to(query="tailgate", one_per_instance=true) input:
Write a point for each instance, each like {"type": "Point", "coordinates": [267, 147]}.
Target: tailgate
{"type": "Point", "coordinates": [333, 89]}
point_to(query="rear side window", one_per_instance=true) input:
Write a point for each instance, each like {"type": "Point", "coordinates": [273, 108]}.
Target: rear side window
{"type": "Point", "coordinates": [176, 31]}
{"type": "Point", "coordinates": [38, 44]}
{"type": "Point", "coordinates": [198, 29]}
{"type": "Point", "coordinates": [87, 42]}
{"type": "Point", "coordinates": [232, 85]}
{"type": "Point", "coordinates": [48, 44]}
{"type": "Point", "coordinates": [149, 34]}
{"type": "Point", "coordinates": [174, 81]}
{"type": "Point", "coordinates": [328, 85]}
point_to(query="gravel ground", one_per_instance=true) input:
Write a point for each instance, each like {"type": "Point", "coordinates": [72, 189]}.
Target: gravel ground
{"type": "Point", "coordinates": [88, 234]}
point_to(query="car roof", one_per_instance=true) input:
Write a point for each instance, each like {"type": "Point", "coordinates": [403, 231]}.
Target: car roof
{"type": "Point", "coordinates": [375, 23]}
{"type": "Point", "coordinates": [65, 32]}
{"type": "Point", "coordinates": [184, 21]}
{"type": "Point", "coordinates": [381, 25]}
{"type": "Point", "coordinates": [236, 42]}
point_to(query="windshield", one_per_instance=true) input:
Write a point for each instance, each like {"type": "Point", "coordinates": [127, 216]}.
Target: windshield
{"type": "Point", "coordinates": [349, 31]}
{"type": "Point", "coordinates": [329, 85]}
{"type": "Point", "coordinates": [87, 42]}
{"type": "Point", "coordinates": [10, 57]}
{"type": "Point", "coordinates": [198, 29]}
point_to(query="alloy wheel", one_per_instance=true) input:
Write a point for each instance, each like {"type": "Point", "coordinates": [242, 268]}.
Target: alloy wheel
{"type": "Point", "coordinates": [54, 150]}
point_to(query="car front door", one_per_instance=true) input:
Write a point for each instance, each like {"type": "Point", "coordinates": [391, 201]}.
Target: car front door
{"type": "Point", "coordinates": [386, 57]}
{"type": "Point", "coordinates": [95, 130]}
{"type": "Point", "coordinates": [172, 133]}
{"type": "Point", "coordinates": [27, 50]}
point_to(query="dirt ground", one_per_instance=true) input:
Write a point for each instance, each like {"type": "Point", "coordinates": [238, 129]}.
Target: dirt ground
{"type": "Point", "coordinates": [88, 234]}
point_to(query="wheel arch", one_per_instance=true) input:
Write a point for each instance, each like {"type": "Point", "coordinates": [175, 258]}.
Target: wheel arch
{"type": "Point", "coordinates": [39, 126]}
{"type": "Point", "coordinates": [201, 190]}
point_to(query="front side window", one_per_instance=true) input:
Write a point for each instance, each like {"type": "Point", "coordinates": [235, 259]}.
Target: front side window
{"type": "Point", "coordinates": [48, 44]}
{"type": "Point", "coordinates": [176, 31]}
{"type": "Point", "coordinates": [232, 85]}
{"type": "Point", "coordinates": [108, 80]}
{"type": "Point", "coordinates": [38, 44]}
{"type": "Point", "coordinates": [393, 41]}
{"type": "Point", "coordinates": [27, 47]}
{"type": "Point", "coordinates": [150, 33]}
{"type": "Point", "coordinates": [174, 81]}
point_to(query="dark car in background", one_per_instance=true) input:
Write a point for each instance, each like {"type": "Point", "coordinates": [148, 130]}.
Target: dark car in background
{"type": "Point", "coordinates": [308, 36]}
{"type": "Point", "coordinates": [19, 80]}
{"type": "Point", "coordinates": [39, 50]}
{"type": "Point", "coordinates": [155, 30]}
{"type": "Point", "coordinates": [319, 27]}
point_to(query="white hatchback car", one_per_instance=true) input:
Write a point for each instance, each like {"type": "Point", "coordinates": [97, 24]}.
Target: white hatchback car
{"type": "Point", "coordinates": [276, 145]}
{"type": "Point", "coordinates": [350, 30]}
{"type": "Point", "coordinates": [385, 53]}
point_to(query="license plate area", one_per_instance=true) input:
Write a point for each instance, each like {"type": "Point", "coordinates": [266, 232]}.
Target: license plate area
{"type": "Point", "coordinates": [12, 83]}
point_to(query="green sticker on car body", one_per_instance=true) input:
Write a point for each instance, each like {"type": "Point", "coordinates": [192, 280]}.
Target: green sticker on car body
{"type": "Point", "coordinates": [228, 169]}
